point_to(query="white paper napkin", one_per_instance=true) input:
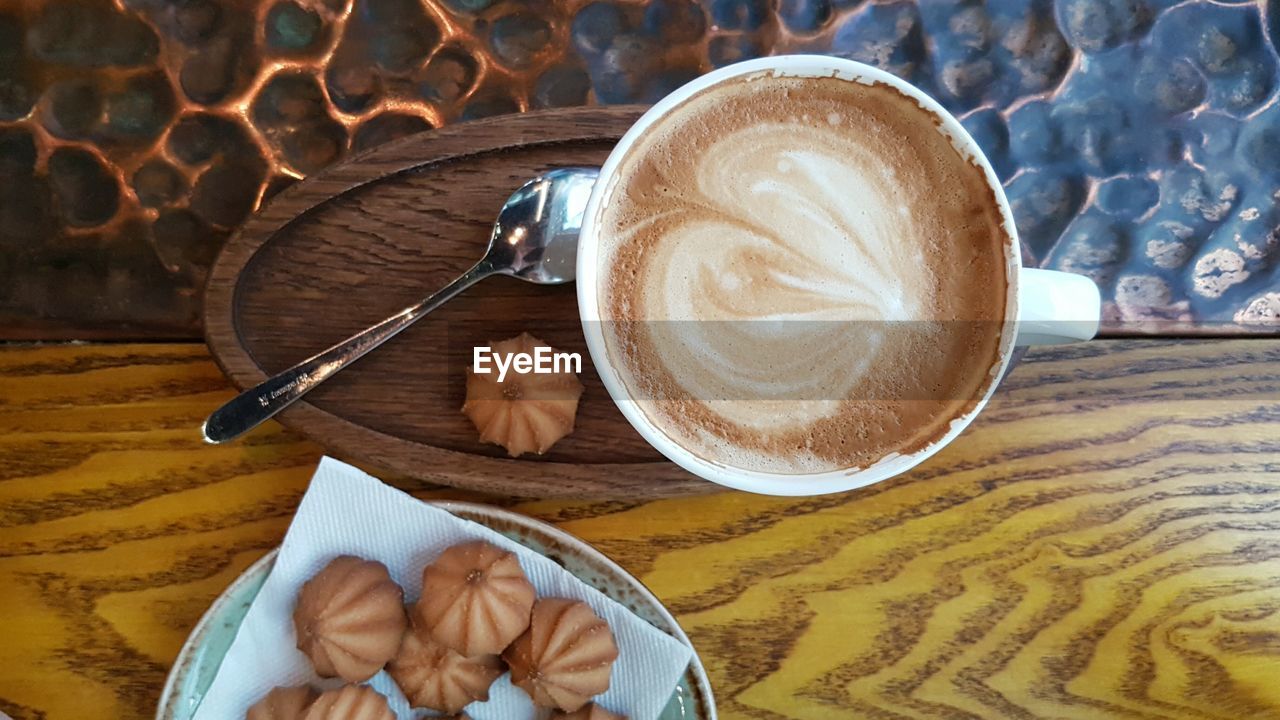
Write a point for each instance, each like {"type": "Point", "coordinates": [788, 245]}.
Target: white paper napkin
{"type": "Point", "coordinates": [347, 512]}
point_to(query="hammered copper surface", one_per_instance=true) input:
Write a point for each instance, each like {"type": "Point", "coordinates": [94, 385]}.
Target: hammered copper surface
{"type": "Point", "coordinates": [1139, 140]}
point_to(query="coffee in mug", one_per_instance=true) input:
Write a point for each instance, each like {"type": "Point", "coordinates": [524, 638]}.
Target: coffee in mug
{"type": "Point", "coordinates": [801, 275]}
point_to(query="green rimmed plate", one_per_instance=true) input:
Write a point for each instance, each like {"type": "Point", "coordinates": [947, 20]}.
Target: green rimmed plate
{"type": "Point", "coordinates": [198, 661]}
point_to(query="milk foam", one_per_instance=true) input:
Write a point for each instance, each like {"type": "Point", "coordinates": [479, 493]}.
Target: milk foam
{"type": "Point", "coordinates": [770, 232]}
{"type": "Point", "coordinates": [763, 244]}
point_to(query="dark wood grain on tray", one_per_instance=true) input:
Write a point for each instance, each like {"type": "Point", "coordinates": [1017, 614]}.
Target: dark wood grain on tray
{"type": "Point", "coordinates": [362, 240]}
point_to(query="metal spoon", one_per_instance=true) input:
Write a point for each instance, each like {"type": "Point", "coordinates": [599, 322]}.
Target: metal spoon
{"type": "Point", "coordinates": [535, 239]}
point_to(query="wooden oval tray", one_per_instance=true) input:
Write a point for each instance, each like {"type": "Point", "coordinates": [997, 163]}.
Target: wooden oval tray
{"type": "Point", "coordinates": [363, 239]}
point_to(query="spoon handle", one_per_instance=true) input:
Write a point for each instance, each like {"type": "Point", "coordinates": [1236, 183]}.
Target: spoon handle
{"type": "Point", "coordinates": [253, 406]}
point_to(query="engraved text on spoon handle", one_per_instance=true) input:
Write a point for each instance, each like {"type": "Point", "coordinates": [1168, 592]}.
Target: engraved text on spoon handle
{"type": "Point", "coordinates": [255, 405]}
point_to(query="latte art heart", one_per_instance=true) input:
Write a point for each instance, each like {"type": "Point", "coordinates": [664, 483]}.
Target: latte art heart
{"type": "Point", "coordinates": [781, 259]}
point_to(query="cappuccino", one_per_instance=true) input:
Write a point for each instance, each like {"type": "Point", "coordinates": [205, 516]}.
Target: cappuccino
{"type": "Point", "coordinates": [801, 274]}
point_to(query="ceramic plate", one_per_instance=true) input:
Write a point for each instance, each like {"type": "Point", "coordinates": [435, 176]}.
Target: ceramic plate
{"type": "Point", "coordinates": [200, 657]}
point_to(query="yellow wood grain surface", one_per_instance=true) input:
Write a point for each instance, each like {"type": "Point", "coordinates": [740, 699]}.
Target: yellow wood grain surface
{"type": "Point", "coordinates": [1103, 543]}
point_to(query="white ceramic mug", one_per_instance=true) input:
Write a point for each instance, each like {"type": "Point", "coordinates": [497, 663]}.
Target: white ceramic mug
{"type": "Point", "coordinates": [1043, 306]}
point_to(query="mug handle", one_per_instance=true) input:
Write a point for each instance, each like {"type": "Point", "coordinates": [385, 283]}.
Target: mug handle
{"type": "Point", "coordinates": [1056, 307]}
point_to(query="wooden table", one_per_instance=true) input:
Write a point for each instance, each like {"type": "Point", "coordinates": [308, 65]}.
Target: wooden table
{"type": "Point", "coordinates": [1103, 543]}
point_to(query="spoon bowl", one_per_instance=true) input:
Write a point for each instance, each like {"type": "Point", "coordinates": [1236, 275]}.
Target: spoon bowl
{"type": "Point", "coordinates": [536, 235]}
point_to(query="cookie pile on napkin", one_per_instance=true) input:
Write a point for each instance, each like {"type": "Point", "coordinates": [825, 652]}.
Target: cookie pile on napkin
{"type": "Point", "coordinates": [347, 512]}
